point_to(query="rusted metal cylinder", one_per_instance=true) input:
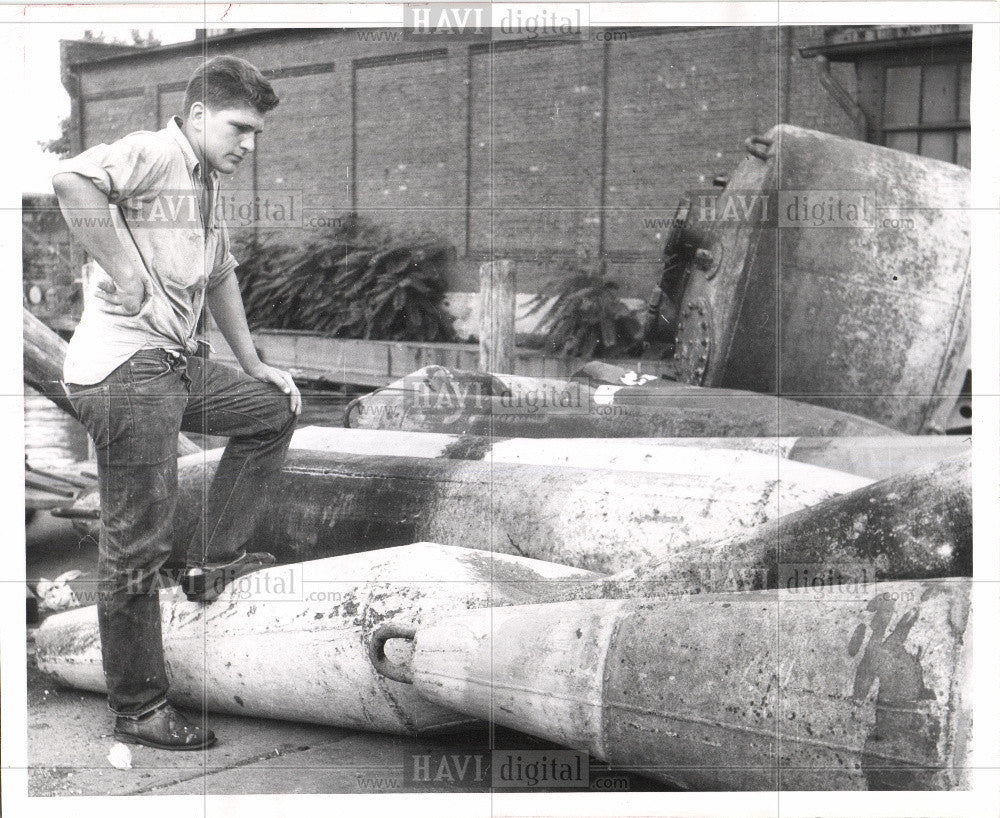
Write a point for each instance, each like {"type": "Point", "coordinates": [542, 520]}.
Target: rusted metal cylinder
{"type": "Point", "coordinates": [872, 457]}
{"type": "Point", "coordinates": [834, 272]}
{"type": "Point", "coordinates": [291, 642]}
{"type": "Point", "coordinates": [575, 409]}
{"type": "Point", "coordinates": [434, 378]}
{"type": "Point", "coordinates": [879, 458]}
{"type": "Point", "coordinates": [328, 504]}
{"type": "Point", "coordinates": [832, 689]}
{"type": "Point", "coordinates": [912, 526]}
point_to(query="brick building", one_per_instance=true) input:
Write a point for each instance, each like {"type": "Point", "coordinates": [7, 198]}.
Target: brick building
{"type": "Point", "coordinates": [547, 151]}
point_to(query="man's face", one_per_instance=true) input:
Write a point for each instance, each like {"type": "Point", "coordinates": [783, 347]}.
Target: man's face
{"type": "Point", "coordinates": [226, 136]}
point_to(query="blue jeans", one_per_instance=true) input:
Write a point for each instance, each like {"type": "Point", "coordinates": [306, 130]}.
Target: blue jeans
{"type": "Point", "coordinates": [134, 417]}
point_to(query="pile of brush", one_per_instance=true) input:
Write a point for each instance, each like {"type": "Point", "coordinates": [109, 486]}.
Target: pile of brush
{"type": "Point", "coordinates": [584, 317]}
{"type": "Point", "coordinates": [352, 281]}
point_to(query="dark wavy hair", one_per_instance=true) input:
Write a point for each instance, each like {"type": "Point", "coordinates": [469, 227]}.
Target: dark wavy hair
{"type": "Point", "coordinates": [227, 82]}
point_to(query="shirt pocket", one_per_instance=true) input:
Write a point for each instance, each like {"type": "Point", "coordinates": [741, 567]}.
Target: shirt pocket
{"type": "Point", "coordinates": [184, 263]}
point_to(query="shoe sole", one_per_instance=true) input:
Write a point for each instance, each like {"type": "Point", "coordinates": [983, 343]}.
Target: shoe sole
{"type": "Point", "coordinates": [130, 739]}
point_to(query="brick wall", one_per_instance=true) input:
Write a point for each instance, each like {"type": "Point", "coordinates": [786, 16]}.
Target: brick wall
{"type": "Point", "coordinates": [552, 154]}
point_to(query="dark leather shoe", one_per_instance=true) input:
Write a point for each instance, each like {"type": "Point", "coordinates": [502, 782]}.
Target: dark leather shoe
{"type": "Point", "coordinates": [206, 583]}
{"type": "Point", "coordinates": [166, 729]}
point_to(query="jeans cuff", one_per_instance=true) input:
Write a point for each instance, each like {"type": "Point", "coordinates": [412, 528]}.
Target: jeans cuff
{"type": "Point", "coordinates": [144, 712]}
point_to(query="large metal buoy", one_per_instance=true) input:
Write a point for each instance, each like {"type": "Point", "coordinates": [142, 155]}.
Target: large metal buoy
{"type": "Point", "coordinates": [818, 689]}
{"type": "Point", "coordinates": [290, 642]}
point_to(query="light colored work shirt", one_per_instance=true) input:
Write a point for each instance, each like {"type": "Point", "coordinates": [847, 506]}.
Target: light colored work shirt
{"type": "Point", "coordinates": [157, 192]}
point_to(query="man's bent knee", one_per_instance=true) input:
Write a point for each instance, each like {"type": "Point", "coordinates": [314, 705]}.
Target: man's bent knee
{"type": "Point", "coordinates": [281, 419]}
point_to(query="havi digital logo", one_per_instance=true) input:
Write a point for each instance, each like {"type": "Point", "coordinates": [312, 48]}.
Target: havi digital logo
{"type": "Point", "coordinates": [446, 21]}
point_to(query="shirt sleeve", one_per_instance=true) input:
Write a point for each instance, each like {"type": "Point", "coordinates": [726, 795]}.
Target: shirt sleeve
{"type": "Point", "coordinates": [129, 168]}
{"type": "Point", "coordinates": [225, 262]}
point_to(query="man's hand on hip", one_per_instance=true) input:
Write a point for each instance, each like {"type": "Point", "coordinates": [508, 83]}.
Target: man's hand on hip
{"type": "Point", "coordinates": [281, 379]}
{"type": "Point", "coordinates": [126, 299]}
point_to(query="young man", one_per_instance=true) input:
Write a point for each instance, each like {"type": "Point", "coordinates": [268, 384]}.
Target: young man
{"type": "Point", "coordinates": [144, 208]}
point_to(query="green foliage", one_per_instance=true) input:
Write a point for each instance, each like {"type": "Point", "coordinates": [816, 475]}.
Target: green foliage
{"type": "Point", "coordinates": [353, 281]}
{"type": "Point", "coordinates": [150, 40]}
{"type": "Point", "coordinates": [61, 145]}
{"type": "Point", "coordinates": [587, 318]}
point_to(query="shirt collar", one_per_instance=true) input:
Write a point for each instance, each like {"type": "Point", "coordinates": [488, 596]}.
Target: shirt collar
{"type": "Point", "coordinates": [190, 157]}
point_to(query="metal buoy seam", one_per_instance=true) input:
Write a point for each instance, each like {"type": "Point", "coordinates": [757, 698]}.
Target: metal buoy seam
{"type": "Point", "coordinates": [952, 721]}
{"type": "Point", "coordinates": [363, 610]}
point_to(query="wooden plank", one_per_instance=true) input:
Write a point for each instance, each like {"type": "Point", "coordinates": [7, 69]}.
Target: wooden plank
{"type": "Point", "coordinates": [43, 500]}
{"type": "Point", "coordinates": [47, 486]}
{"type": "Point", "coordinates": [315, 356]}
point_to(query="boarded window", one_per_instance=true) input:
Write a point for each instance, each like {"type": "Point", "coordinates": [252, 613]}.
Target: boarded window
{"type": "Point", "coordinates": [926, 110]}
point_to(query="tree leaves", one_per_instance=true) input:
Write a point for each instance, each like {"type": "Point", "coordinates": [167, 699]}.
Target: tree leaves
{"type": "Point", "coordinates": [586, 317]}
{"type": "Point", "coordinates": [354, 281]}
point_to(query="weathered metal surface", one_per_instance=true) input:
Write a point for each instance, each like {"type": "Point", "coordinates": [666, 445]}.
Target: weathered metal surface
{"type": "Point", "coordinates": [694, 340]}
{"type": "Point", "coordinates": [873, 457]}
{"type": "Point", "coordinates": [912, 526]}
{"type": "Point", "coordinates": [291, 642]}
{"type": "Point", "coordinates": [434, 377]}
{"type": "Point", "coordinates": [812, 690]}
{"type": "Point", "coordinates": [328, 504]}
{"type": "Point", "coordinates": [844, 278]}
{"type": "Point", "coordinates": [457, 402]}
{"type": "Point", "coordinates": [879, 458]}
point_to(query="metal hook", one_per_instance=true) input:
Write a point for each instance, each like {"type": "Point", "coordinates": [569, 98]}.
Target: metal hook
{"type": "Point", "coordinates": [376, 651]}
{"type": "Point", "coordinates": [751, 144]}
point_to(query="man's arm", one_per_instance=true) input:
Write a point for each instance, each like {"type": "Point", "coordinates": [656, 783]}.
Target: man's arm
{"type": "Point", "coordinates": [226, 304]}
{"type": "Point", "coordinates": [85, 209]}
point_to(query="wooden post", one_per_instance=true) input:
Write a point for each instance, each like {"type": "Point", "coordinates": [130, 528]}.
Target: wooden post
{"type": "Point", "coordinates": [497, 290]}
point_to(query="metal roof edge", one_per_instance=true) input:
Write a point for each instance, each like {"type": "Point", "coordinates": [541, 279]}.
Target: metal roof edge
{"type": "Point", "coordinates": [847, 52]}
{"type": "Point", "coordinates": [194, 45]}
